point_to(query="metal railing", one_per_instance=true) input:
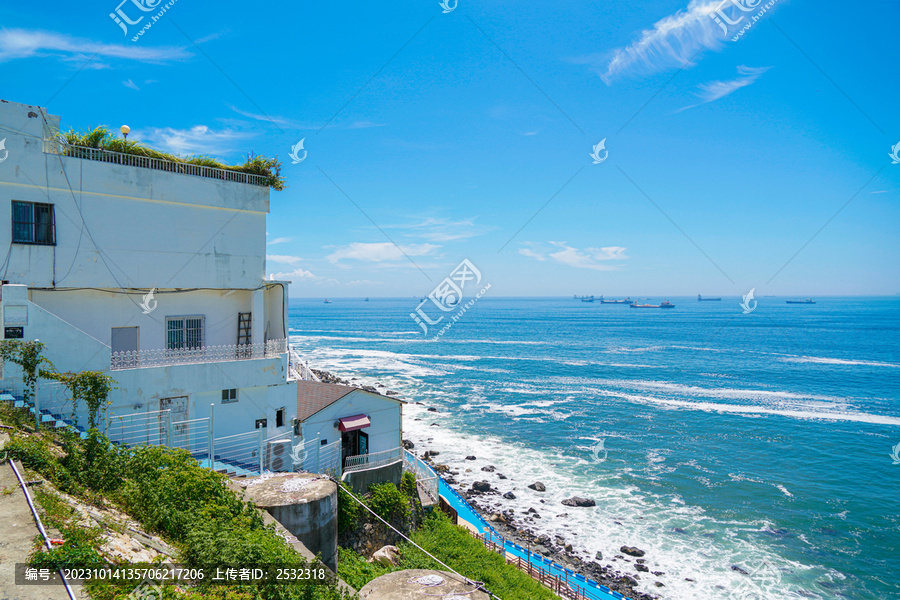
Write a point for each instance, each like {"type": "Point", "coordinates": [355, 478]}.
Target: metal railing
{"type": "Point", "coordinates": [426, 478]}
{"type": "Point", "coordinates": [373, 460]}
{"type": "Point", "coordinates": [59, 146]}
{"type": "Point", "coordinates": [139, 359]}
{"type": "Point", "coordinates": [298, 368]}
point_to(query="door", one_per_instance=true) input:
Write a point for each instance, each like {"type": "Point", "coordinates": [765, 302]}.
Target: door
{"type": "Point", "coordinates": [177, 408]}
{"type": "Point", "coordinates": [124, 339]}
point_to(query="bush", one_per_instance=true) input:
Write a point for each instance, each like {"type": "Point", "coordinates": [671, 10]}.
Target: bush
{"type": "Point", "coordinates": [388, 502]}
{"type": "Point", "coordinates": [348, 509]}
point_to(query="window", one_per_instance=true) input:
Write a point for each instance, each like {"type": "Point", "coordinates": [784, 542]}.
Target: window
{"type": "Point", "coordinates": [184, 332]}
{"type": "Point", "coordinates": [32, 223]}
{"type": "Point", "coordinates": [324, 442]}
{"type": "Point", "coordinates": [262, 423]}
{"type": "Point", "coordinates": [279, 417]}
{"type": "Point", "coordinates": [229, 395]}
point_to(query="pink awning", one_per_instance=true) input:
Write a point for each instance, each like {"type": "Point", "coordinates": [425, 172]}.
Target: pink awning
{"type": "Point", "coordinates": [353, 423]}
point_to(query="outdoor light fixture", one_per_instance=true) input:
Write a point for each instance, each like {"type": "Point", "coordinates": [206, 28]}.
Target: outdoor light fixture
{"type": "Point", "coordinates": [125, 129]}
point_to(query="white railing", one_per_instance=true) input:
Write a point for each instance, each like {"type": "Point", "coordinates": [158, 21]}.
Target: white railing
{"type": "Point", "coordinates": [373, 460]}
{"type": "Point", "coordinates": [139, 359]}
{"type": "Point", "coordinates": [426, 478]}
{"type": "Point", "coordinates": [298, 368]}
{"type": "Point", "coordinates": [59, 146]}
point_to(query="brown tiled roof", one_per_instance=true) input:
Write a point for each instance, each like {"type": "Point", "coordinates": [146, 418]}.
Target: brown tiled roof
{"type": "Point", "coordinates": [313, 396]}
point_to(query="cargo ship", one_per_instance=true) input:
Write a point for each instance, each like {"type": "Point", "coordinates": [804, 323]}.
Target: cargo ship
{"type": "Point", "coordinates": [702, 299]}
{"type": "Point", "coordinates": [665, 304]}
{"type": "Point", "coordinates": [587, 298]}
{"type": "Point", "coordinates": [807, 301]}
{"type": "Point", "coordinates": [625, 301]}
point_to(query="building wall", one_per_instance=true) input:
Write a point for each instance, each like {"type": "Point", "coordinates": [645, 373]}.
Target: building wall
{"type": "Point", "coordinates": [385, 415]}
{"type": "Point", "coordinates": [127, 227]}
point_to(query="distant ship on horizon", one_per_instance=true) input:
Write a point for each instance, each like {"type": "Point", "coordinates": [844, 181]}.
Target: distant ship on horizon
{"type": "Point", "coordinates": [665, 304]}
{"type": "Point", "coordinates": [702, 299]}
{"type": "Point", "coordinates": [625, 301]}
{"type": "Point", "coordinates": [807, 301]}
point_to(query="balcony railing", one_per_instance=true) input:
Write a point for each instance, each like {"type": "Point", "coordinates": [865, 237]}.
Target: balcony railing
{"type": "Point", "coordinates": [298, 368]}
{"type": "Point", "coordinates": [373, 460]}
{"type": "Point", "coordinates": [140, 359]}
{"type": "Point", "coordinates": [57, 146]}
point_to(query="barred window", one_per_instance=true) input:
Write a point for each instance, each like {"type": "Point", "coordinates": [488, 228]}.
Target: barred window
{"type": "Point", "coordinates": [33, 223]}
{"type": "Point", "coordinates": [184, 332]}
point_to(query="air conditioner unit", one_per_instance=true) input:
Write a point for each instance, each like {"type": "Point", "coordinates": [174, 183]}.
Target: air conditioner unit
{"type": "Point", "coordinates": [278, 455]}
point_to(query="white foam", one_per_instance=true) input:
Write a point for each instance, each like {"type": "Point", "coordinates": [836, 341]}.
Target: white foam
{"type": "Point", "coordinates": [838, 361]}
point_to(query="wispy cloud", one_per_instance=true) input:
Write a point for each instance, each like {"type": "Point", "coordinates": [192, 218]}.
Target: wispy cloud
{"type": "Point", "coordinates": [302, 125]}
{"type": "Point", "coordinates": [364, 282]}
{"type": "Point", "coordinates": [714, 90]}
{"type": "Point", "coordinates": [672, 42]}
{"type": "Point", "coordinates": [532, 254]}
{"type": "Point", "coordinates": [25, 43]}
{"type": "Point", "coordinates": [719, 89]}
{"type": "Point", "coordinates": [380, 252]}
{"type": "Point", "coordinates": [130, 84]}
{"type": "Point", "coordinates": [589, 258]}
{"type": "Point", "coordinates": [295, 275]}
{"type": "Point", "coordinates": [283, 259]}
{"type": "Point", "coordinates": [441, 230]}
{"type": "Point", "coordinates": [279, 240]}
{"type": "Point", "coordinates": [199, 139]}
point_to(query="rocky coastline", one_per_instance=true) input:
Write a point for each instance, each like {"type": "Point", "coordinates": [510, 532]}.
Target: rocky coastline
{"type": "Point", "coordinates": [522, 528]}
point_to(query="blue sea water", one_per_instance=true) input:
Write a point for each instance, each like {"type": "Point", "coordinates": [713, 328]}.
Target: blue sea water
{"type": "Point", "coordinates": [708, 437]}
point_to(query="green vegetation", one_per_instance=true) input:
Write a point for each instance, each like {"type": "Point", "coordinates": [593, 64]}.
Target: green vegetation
{"type": "Point", "coordinates": [28, 355]}
{"type": "Point", "coordinates": [169, 494]}
{"type": "Point", "coordinates": [448, 542]}
{"type": "Point", "coordinates": [101, 138]}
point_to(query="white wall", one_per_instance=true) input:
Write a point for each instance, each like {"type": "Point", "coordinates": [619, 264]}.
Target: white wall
{"type": "Point", "coordinates": [119, 226]}
{"type": "Point", "coordinates": [385, 415]}
{"type": "Point", "coordinates": [97, 311]}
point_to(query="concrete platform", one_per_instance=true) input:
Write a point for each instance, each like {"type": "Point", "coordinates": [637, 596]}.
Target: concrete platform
{"type": "Point", "coordinates": [405, 585]}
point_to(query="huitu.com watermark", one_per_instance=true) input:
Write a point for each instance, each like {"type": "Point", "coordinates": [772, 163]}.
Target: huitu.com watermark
{"type": "Point", "coordinates": [731, 14]}
{"type": "Point", "coordinates": [448, 296]}
{"type": "Point", "coordinates": [139, 8]}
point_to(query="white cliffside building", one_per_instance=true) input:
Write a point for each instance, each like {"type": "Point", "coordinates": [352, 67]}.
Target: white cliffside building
{"type": "Point", "coordinates": [86, 237]}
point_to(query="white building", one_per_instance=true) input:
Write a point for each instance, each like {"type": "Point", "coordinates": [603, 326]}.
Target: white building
{"type": "Point", "coordinates": [87, 238]}
{"type": "Point", "coordinates": [367, 425]}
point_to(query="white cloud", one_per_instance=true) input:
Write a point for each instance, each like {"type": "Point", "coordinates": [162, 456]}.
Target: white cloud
{"type": "Point", "coordinates": [719, 89]}
{"type": "Point", "coordinates": [380, 252]}
{"type": "Point", "coordinates": [283, 259]}
{"type": "Point", "coordinates": [295, 275]}
{"type": "Point", "coordinates": [24, 43]}
{"type": "Point", "coordinates": [531, 253]}
{"type": "Point", "coordinates": [441, 229]}
{"type": "Point", "coordinates": [199, 139]}
{"type": "Point", "coordinates": [364, 282]}
{"type": "Point", "coordinates": [672, 42]}
{"type": "Point", "coordinates": [589, 258]}
{"type": "Point", "coordinates": [130, 84]}
{"type": "Point", "coordinates": [279, 240]}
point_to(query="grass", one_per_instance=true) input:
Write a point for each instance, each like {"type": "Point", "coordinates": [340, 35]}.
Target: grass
{"type": "Point", "coordinates": [101, 138]}
{"type": "Point", "coordinates": [169, 494]}
{"type": "Point", "coordinates": [455, 547]}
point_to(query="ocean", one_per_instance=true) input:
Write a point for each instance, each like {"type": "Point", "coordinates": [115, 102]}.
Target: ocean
{"type": "Point", "coordinates": [709, 438]}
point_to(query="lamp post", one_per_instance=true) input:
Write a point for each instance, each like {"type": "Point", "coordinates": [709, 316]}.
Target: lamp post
{"type": "Point", "coordinates": [125, 129]}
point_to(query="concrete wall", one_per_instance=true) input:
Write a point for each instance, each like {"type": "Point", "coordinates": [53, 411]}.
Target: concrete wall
{"type": "Point", "coordinates": [126, 227]}
{"type": "Point", "coordinates": [384, 413]}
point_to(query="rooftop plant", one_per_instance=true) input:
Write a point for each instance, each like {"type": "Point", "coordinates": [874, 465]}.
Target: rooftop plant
{"type": "Point", "coordinates": [100, 137]}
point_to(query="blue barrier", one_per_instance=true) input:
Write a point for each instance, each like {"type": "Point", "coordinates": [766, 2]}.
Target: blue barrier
{"type": "Point", "coordinates": [590, 588]}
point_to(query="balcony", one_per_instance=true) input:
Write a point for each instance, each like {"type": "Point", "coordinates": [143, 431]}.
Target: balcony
{"type": "Point", "coordinates": [57, 146]}
{"type": "Point", "coordinates": [142, 359]}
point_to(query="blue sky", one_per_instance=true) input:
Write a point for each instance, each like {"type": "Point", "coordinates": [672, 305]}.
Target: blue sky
{"type": "Point", "coordinates": [434, 137]}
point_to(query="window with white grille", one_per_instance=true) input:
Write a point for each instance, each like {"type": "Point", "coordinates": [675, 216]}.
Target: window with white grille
{"type": "Point", "coordinates": [184, 332]}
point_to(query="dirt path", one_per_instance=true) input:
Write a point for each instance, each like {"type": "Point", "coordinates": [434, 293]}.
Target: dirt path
{"type": "Point", "coordinates": [18, 530]}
